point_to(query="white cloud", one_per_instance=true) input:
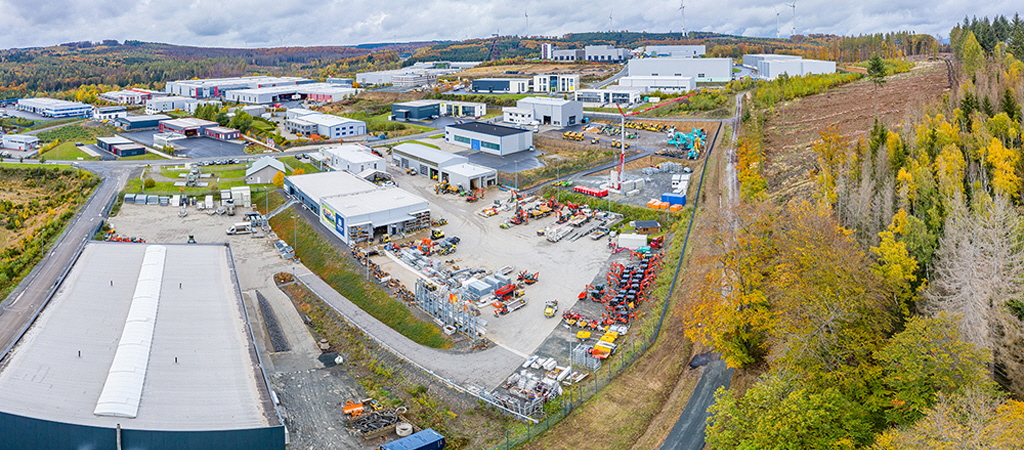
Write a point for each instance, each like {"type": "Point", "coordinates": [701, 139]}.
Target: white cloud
{"type": "Point", "coordinates": [240, 23]}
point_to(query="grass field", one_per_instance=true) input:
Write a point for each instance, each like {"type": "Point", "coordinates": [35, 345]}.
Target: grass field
{"type": "Point", "coordinates": [342, 274]}
{"type": "Point", "coordinates": [293, 163]}
{"type": "Point", "coordinates": [421, 143]}
{"type": "Point", "coordinates": [143, 157]}
{"type": "Point", "coordinates": [68, 151]}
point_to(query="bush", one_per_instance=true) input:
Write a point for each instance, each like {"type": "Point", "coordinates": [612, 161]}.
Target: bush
{"type": "Point", "coordinates": [149, 183]}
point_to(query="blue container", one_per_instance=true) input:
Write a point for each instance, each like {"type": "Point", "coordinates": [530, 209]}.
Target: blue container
{"type": "Point", "coordinates": [424, 440]}
{"type": "Point", "coordinates": [674, 199]}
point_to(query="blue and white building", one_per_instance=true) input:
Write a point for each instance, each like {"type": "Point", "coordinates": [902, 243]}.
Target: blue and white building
{"type": "Point", "coordinates": [488, 138]}
{"type": "Point", "coordinates": [54, 108]}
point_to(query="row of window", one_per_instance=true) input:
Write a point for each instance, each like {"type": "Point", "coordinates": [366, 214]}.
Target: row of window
{"type": "Point", "coordinates": [462, 139]}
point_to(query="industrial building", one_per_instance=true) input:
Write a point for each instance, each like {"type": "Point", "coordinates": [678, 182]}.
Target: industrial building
{"type": "Point", "coordinates": [172, 103]}
{"type": "Point", "coordinates": [355, 209]}
{"type": "Point", "coordinates": [545, 111]}
{"type": "Point", "coordinates": [426, 161]}
{"type": "Point", "coordinates": [120, 146]}
{"type": "Point", "coordinates": [556, 83]}
{"type": "Point", "coordinates": [20, 142]}
{"type": "Point", "coordinates": [418, 74]}
{"type": "Point", "coordinates": [126, 97]}
{"type": "Point", "coordinates": [502, 85]}
{"type": "Point", "coordinates": [606, 53]}
{"type": "Point", "coordinates": [264, 170]}
{"type": "Point", "coordinates": [54, 108]}
{"type": "Point", "coordinates": [702, 70]}
{"type": "Point", "coordinates": [673, 51]}
{"type": "Point", "coordinates": [664, 84]}
{"type": "Point", "coordinates": [487, 138]}
{"type": "Point", "coordinates": [571, 54]}
{"type": "Point", "coordinates": [135, 123]}
{"type": "Point", "coordinates": [462, 109]}
{"type": "Point", "coordinates": [218, 87]}
{"type": "Point", "coordinates": [187, 126]}
{"type": "Point", "coordinates": [328, 126]}
{"type": "Point", "coordinates": [142, 346]}
{"type": "Point", "coordinates": [610, 95]}
{"type": "Point", "coordinates": [455, 169]}
{"type": "Point", "coordinates": [222, 133]}
{"type": "Point", "coordinates": [354, 158]}
{"type": "Point", "coordinates": [318, 92]}
{"type": "Point", "coordinates": [109, 113]}
{"type": "Point", "coordinates": [770, 67]}
{"type": "Point", "coordinates": [416, 110]}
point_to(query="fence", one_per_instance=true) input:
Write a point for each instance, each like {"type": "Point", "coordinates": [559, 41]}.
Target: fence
{"type": "Point", "coordinates": [625, 357]}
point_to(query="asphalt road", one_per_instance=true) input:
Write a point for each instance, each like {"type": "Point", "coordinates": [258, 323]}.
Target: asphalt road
{"type": "Point", "coordinates": [23, 304]}
{"type": "Point", "coordinates": [688, 432]}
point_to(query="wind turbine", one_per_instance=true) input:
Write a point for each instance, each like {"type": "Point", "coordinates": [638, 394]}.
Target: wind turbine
{"type": "Point", "coordinates": [527, 14]}
{"type": "Point", "coordinates": [793, 5]}
{"type": "Point", "coordinates": [777, 31]}
{"type": "Point", "coordinates": [682, 10]}
{"type": "Point", "coordinates": [609, 22]}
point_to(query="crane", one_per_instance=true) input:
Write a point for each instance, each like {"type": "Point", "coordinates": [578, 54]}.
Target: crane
{"type": "Point", "coordinates": [621, 167]}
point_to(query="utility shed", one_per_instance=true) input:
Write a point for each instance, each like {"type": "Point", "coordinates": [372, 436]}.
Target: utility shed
{"type": "Point", "coordinates": [647, 226]}
{"type": "Point", "coordinates": [150, 339]}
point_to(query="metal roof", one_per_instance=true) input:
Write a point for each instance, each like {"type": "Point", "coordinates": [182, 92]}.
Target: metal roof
{"type": "Point", "coordinates": [397, 202]}
{"type": "Point", "coordinates": [420, 152]}
{"type": "Point", "coordinates": [200, 372]}
{"type": "Point", "coordinates": [328, 184]}
{"type": "Point", "coordinates": [487, 128]}
{"type": "Point", "coordinates": [265, 161]}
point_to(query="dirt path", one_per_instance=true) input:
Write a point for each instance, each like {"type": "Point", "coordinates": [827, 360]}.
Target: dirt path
{"type": "Point", "coordinates": [851, 109]}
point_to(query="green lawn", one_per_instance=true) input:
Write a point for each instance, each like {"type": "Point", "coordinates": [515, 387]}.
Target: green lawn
{"type": "Point", "coordinates": [68, 151]}
{"type": "Point", "coordinates": [293, 163]}
{"type": "Point", "coordinates": [421, 143]}
{"type": "Point", "coordinates": [225, 171]}
{"type": "Point", "coordinates": [51, 123]}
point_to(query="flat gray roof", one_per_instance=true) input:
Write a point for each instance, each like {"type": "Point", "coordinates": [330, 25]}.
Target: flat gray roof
{"type": "Point", "coordinates": [201, 372]}
{"type": "Point", "coordinates": [328, 184]}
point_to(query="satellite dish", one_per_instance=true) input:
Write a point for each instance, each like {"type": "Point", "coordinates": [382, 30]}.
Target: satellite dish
{"type": "Point", "coordinates": [339, 359]}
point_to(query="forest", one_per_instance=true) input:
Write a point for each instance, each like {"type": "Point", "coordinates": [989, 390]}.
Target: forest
{"type": "Point", "coordinates": [885, 311]}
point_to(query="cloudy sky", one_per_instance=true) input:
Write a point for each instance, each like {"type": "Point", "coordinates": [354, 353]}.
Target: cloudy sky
{"type": "Point", "coordinates": [263, 23]}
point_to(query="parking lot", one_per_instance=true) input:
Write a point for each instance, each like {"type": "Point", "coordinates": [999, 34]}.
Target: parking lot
{"type": "Point", "coordinates": [195, 147]}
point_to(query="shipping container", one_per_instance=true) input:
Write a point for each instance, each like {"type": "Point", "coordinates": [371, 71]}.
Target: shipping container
{"type": "Point", "coordinates": [424, 440]}
{"type": "Point", "coordinates": [673, 198]}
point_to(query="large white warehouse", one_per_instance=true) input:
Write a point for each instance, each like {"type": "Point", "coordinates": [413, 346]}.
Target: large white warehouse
{"type": "Point", "coordinates": [702, 70]}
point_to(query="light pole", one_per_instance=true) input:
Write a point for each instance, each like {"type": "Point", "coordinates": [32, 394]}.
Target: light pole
{"type": "Point", "coordinates": [516, 170]}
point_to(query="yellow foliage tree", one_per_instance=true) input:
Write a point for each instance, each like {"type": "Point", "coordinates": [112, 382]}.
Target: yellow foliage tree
{"type": "Point", "coordinates": [1003, 162]}
{"type": "Point", "coordinates": [278, 179]}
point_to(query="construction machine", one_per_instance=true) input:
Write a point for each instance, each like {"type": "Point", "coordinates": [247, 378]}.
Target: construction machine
{"type": "Point", "coordinates": [528, 278]}
{"type": "Point", "coordinates": [436, 233]}
{"type": "Point", "coordinates": [550, 308]}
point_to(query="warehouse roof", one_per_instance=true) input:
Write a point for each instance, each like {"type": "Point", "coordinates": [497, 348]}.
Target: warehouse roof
{"type": "Point", "coordinates": [46, 102]}
{"type": "Point", "coordinates": [264, 162]}
{"type": "Point", "coordinates": [470, 170]}
{"type": "Point", "coordinates": [418, 103]}
{"type": "Point", "coordinates": [156, 117]}
{"type": "Point", "coordinates": [200, 371]}
{"type": "Point", "coordinates": [544, 101]}
{"type": "Point", "coordinates": [353, 153]}
{"type": "Point", "coordinates": [327, 184]}
{"type": "Point", "coordinates": [392, 200]}
{"type": "Point", "coordinates": [487, 128]}
{"type": "Point", "coordinates": [189, 122]}
{"type": "Point", "coordinates": [428, 155]}
{"type": "Point", "coordinates": [328, 120]}
{"type": "Point", "coordinates": [114, 140]}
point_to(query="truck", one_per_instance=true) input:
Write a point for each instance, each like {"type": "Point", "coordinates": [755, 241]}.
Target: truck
{"type": "Point", "coordinates": [424, 440]}
{"type": "Point", "coordinates": [208, 204]}
{"type": "Point", "coordinates": [240, 228]}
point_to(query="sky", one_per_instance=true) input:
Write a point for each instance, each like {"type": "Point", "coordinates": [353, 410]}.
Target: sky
{"type": "Point", "coordinates": [277, 23]}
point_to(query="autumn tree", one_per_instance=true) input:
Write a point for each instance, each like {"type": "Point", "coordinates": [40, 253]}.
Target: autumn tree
{"type": "Point", "coordinates": [775, 414]}
{"type": "Point", "coordinates": [278, 179]}
{"type": "Point", "coordinates": [974, 419]}
{"type": "Point", "coordinates": [929, 356]}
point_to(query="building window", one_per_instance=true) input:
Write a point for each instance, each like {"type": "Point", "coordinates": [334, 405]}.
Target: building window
{"type": "Point", "coordinates": [700, 75]}
{"type": "Point", "coordinates": [490, 145]}
{"type": "Point", "coordinates": [462, 139]}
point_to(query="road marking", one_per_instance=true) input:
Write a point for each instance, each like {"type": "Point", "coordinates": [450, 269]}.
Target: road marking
{"type": "Point", "coordinates": [17, 298]}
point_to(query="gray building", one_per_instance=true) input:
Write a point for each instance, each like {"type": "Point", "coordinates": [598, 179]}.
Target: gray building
{"type": "Point", "coordinates": [545, 111]}
{"type": "Point", "coordinates": [702, 70]}
{"type": "Point", "coordinates": [140, 122]}
{"type": "Point", "coordinates": [487, 138]}
{"type": "Point", "coordinates": [264, 170]}
{"type": "Point", "coordinates": [416, 110]}
{"type": "Point", "coordinates": [675, 51]}
{"type": "Point", "coordinates": [606, 53]}
{"type": "Point", "coordinates": [502, 85]}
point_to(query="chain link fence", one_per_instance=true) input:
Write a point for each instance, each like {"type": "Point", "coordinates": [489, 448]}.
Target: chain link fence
{"type": "Point", "coordinates": [649, 328]}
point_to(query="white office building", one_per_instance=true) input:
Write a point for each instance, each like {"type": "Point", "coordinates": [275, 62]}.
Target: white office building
{"type": "Point", "coordinates": [54, 108]}
{"type": "Point", "coordinates": [164, 104]}
{"type": "Point", "coordinates": [769, 68]}
{"type": "Point", "coordinates": [556, 83]}
{"type": "Point", "coordinates": [621, 95]}
{"type": "Point", "coordinates": [488, 138]}
{"type": "Point", "coordinates": [109, 113]}
{"type": "Point", "coordinates": [354, 158]}
{"type": "Point", "coordinates": [702, 70]}
{"type": "Point", "coordinates": [328, 126]}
